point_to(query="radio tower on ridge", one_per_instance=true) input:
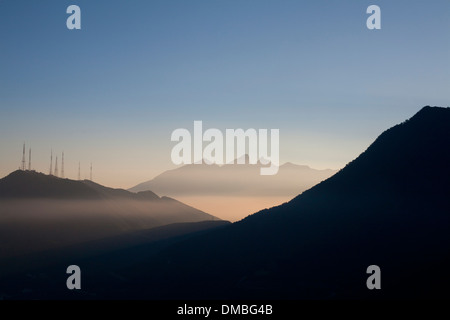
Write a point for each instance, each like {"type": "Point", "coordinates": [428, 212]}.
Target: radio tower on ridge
{"type": "Point", "coordinates": [23, 158]}
{"type": "Point", "coordinates": [62, 166]}
{"type": "Point", "coordinates": [29, 159]}
{"type": "Point", "coordinates": [79, 171]}
{"type": "Point", "coordinates": [56, 166]}
{"type": "Point", "coordinates": [91, 172]}
{"type": "Point", "coordinates": [51, 162]}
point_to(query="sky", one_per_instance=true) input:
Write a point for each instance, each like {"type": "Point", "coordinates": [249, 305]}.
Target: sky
{"type": "Point", "coordinates": [113, 92]}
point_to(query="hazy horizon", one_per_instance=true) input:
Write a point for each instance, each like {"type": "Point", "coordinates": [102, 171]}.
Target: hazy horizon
{"type": "Point", "coordinates": [85, 173]}
{"type": "Point", "coordinates": [230, 192]}
{"type": "Point", "coordinates": [113, 92]}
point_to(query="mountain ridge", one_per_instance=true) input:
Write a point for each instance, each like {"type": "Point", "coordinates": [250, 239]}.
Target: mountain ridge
{"type": "Point", "coordinates": [33, 184]}
{"type": "Point", "coordinates": [319, 244]}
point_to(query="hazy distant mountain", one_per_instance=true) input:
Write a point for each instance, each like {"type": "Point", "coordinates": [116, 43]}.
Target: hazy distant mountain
{"type": "Point", "coordinates": [234, 180]}
{"type": "Point", "coordinates": [39, 212]}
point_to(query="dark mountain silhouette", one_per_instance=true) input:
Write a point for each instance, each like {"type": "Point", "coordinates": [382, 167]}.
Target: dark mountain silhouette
{"type": "Point", "coordinates": [389, 207]}
{"type": "Point", "coordinates": [32, 184]}
{"type": "Point", "coordinates": [40, 212]}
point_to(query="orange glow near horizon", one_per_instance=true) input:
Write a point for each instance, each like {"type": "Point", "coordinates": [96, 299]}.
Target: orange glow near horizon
{"type": "Point", "coordinates": [232, 208]}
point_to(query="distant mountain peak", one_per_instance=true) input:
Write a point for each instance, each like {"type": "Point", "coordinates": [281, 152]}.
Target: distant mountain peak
{"type": "Point", "coordinates": [234, 179]}
{"type": "Point", "coordinates": [429, 113]}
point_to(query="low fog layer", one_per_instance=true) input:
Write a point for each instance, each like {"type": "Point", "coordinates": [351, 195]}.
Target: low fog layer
{"type": "Point", "coordinates": [32, 225]}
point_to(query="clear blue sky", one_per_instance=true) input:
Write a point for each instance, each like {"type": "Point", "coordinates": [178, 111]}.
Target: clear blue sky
{"type": "Point", "coordinates": [113, 92]}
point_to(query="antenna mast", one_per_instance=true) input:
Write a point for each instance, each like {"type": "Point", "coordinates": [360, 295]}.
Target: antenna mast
{"type": "Point", "coordinates": [79, 171]}
{"type": "Point", "coordinates": [51, 162]}
{"type": "Point", "coordinates": [29, 159]}
{"type": "Point", "coordinates": [23, 158]}
{"type": "Point", "coordinates": [91, 171]}
{"type": "Point", "coordinates": [56, 166]}
{"type": "Point", "coordinates": [62, 166]}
